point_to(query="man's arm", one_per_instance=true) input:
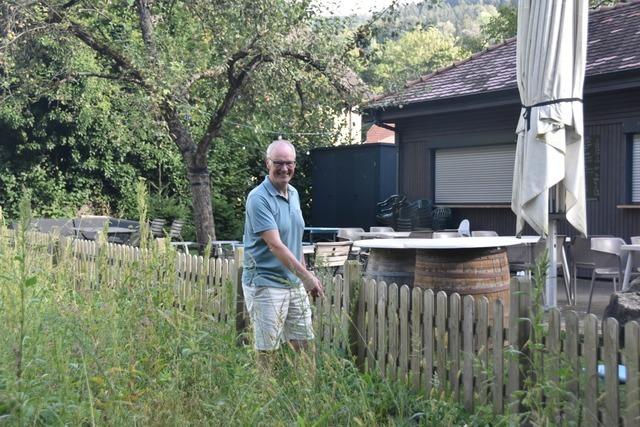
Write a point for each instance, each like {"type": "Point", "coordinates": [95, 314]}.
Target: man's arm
{"type": "Point", "coordinates": [289, 260]}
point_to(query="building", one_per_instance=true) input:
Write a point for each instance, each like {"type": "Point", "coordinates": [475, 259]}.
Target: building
{"type": "Point", "coordinates": [455, 130]}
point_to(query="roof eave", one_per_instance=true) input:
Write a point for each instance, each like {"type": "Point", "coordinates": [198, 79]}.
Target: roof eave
{"type": "Point", "coordinates": [594, 84]}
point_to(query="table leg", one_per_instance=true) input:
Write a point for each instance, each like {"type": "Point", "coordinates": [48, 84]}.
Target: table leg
{"type": "Point", "coordinates": [566, 276]}
{"type": "Point", "coordinates": [627, 271]}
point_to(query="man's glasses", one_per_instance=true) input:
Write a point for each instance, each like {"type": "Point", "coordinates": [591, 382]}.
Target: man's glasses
{"type": "Point", "coordinates": [280, 163]}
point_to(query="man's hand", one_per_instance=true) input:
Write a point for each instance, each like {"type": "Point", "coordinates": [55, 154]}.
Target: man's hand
{"type": "Point", "coordinates": [312, 285]}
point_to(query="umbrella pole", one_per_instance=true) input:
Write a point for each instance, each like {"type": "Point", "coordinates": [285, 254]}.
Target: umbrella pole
{"type": "Point", "coordinates": [551, 287]}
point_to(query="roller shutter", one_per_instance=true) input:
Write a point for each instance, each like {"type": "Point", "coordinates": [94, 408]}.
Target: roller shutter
{"type": "Point", "coordinates": [475, 174]}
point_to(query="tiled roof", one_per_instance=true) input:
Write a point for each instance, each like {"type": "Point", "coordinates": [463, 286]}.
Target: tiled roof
{"type": "Point", "coordinates": [379, 134]}
{"type": "Point", "coordinates": [613, 45]}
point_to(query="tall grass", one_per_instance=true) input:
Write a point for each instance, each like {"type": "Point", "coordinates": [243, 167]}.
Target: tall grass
{"type": "Point", "coordinates": [87, 347]}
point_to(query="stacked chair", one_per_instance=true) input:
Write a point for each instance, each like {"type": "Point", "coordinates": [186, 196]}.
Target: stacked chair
{"type": "Point", "coordinates": [387, 210]}
{"type": "Point", "coordinates": [396, 212]}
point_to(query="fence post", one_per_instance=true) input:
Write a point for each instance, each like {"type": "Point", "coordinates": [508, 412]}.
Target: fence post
{"type": "Point", "coordinates": [518, 335]}
{"type": "Point", "coordinates": [241, 320]}
{"type": "Point", "coordinates": [352, 285]}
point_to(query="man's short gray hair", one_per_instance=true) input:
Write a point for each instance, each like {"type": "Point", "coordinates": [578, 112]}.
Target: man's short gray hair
{"type": "Point", "coordinates": [277, 142]}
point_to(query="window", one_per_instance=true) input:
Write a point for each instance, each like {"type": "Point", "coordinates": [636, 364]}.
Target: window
{"type": "Point", "coordinates": [635, 169]}
{"type": "Point", "coordinates": [592, 166]}
{"type": "Point", "coordinates": [474, 174]}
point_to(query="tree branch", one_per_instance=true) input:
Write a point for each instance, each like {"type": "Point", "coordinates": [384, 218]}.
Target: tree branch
{"type": "Point", "coordinates": [116, 77]}
{"type": "Point", "coordinates": [99, 47]}
{"type": "Point", "coordinates": [211, 73]}
{"type": "Point", "coordinates": [236, 84]}
{"type": "Point", "coordinates": [346, 83]}
{"type": "Point", "coordinates": [146, 26]}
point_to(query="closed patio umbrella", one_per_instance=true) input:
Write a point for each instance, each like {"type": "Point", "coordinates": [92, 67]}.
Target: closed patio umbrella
{"type": "Point", "coordinates": [550, 58]}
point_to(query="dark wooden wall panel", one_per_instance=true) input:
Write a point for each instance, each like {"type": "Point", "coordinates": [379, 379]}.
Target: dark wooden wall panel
{"type": "Point", "coordinates": [604, 116]}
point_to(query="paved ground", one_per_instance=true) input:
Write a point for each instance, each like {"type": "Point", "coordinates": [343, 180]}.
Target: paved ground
{"type": "Point", "coordinates": [601, 293]}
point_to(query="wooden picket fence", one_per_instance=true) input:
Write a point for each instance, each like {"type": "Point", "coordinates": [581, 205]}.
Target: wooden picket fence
{"type": "Point", "coordinates": [432, 342]}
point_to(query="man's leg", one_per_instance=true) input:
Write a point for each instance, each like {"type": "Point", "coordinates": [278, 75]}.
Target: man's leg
{"type": "Point", "coordinates": [298, 329]}
{"type": "Point", "coordinates": [267, 308]}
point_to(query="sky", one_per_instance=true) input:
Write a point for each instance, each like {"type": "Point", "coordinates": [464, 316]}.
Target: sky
{"type": "Point", "coordinates": [360, 7]}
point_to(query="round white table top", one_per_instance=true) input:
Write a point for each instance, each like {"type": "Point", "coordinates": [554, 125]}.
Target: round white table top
{"type": "Point", "coordinates": [453, 243]}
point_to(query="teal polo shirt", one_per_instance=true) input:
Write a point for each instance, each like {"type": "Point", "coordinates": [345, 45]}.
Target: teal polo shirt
{"type": "Point", "coordinates": [266, 210]}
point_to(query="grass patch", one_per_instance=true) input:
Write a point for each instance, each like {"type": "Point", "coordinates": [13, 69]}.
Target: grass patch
{"type": "Point", "coordinates": [78, 351]}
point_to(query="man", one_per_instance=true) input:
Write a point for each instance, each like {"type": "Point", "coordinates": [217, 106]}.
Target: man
{"type": "Point", "coordinates": [275, 280]}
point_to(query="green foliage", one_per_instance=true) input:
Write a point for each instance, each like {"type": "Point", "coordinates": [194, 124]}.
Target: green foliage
{"type": "Point", "coordinates": [415, 53]}
{"type": "Point", "coordinates": [120, 351]}
{"type": "Point", "coordinates": [105, 103]}
{"type": "Point", "coordinates": [502, 26]}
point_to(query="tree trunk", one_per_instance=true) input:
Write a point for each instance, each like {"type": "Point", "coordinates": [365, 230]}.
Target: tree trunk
{"type": "Point", "coordinates": [201, 202]}
{"type": "Point", "coordinates": [198, 176]}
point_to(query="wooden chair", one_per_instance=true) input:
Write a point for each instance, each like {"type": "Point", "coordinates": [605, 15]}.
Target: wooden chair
{"type": "Point", "coordinates": [331, 255]}
{"type": "Point", "coordinates": [175, 231]}
{"type": "Point", "coordinates": [175, 234]}
{"type": "Point", "coordinates": [157, 227]}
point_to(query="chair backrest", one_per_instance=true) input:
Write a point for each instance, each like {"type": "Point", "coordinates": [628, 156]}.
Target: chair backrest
{"type": "Point", "coordinates": [381, 229]}
{"type": "Point", "coordinates": [156, 227]}
{"type": "Point", "coordinates": [404, 224]}
{"type": "Point", "coordinates": [352, 233]}
{"type": "Point", "coordinates": [445, 234]}
{"type": "Point", "coordinates": [175, 232]}
{"type": "Point", "coordinates": [332, 254]}
{"type": "Point", "coordinates": [464, 229]}
{"type": "Point", "coordinates": [483, 233]}
{"type": "Point", "coordinates": [581, 251]}
{"type": "Point", "coordinates": [607, 252]}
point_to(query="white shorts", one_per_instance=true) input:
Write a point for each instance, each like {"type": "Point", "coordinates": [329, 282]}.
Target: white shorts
{"type": "Point", "coordinates": [278, 314]}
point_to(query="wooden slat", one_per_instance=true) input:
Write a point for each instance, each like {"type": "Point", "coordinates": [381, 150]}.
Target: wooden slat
{"type": "Point", "coordinates": [553, 346]}
{"type": "Point", "coordinates": [416, 337]}
{"type": "Point", "coordinates": [455, 304]}
{"type": "Point", "coordinates": [482, 333]}
{"type": "Point", "coordinates": [428, 339]}
{"type": "Point", "coordinates": [403, 356]}
{"type": "Point", "coordinates": [552, 367]}
{"type": "Point", "coordinates": [326, 314]}
{"type": "Point", "coordinates": [214, 292]}
{"type": "Point", "coordinates": [610, 359]}
{"type": "Point", "coordinates": [513, 380]}
{"type": "Point", "coordinates": [228, 288]}
{"type": "Point", "coordinates": [371, 326]}
{"type": "Point", "coordinates": [392, 333]}
{"type": "Point", "coordinates": [382, 349]}
{"type": "Point", "coordinates": [352, 280]}
{"type": "Point", "coordinates": [469, 355]}
{"type": "Point", "coordinates": [338, 312]}
{"type": "Point", "coordinates": [360, 333]}
{"type": "Point", "coordinates": [590, 357]}
{"type": "Point", "coordinates": [441, 339]}
{"type": "Point", "coordinates": [632, 363]}
{"type": "Point", "coordinates": [571, 357]}
{"type": "Point", "coordinates": [220, 281]}
{"type": "Point", "coordinates": [497, 339]}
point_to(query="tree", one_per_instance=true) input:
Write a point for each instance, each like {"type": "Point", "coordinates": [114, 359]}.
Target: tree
{"type": "Point", "coordinates": [415, 53]}
{"type": "Point", "coordinates": [186, 64]}
{"type": "Point", "coordinates": [504, 25]}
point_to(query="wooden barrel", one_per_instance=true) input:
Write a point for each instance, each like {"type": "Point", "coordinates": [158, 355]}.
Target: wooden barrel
{"type": "Point", "coordinates": [476, 272]}
{"type": "Point", "coordinates": [391, 266]}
